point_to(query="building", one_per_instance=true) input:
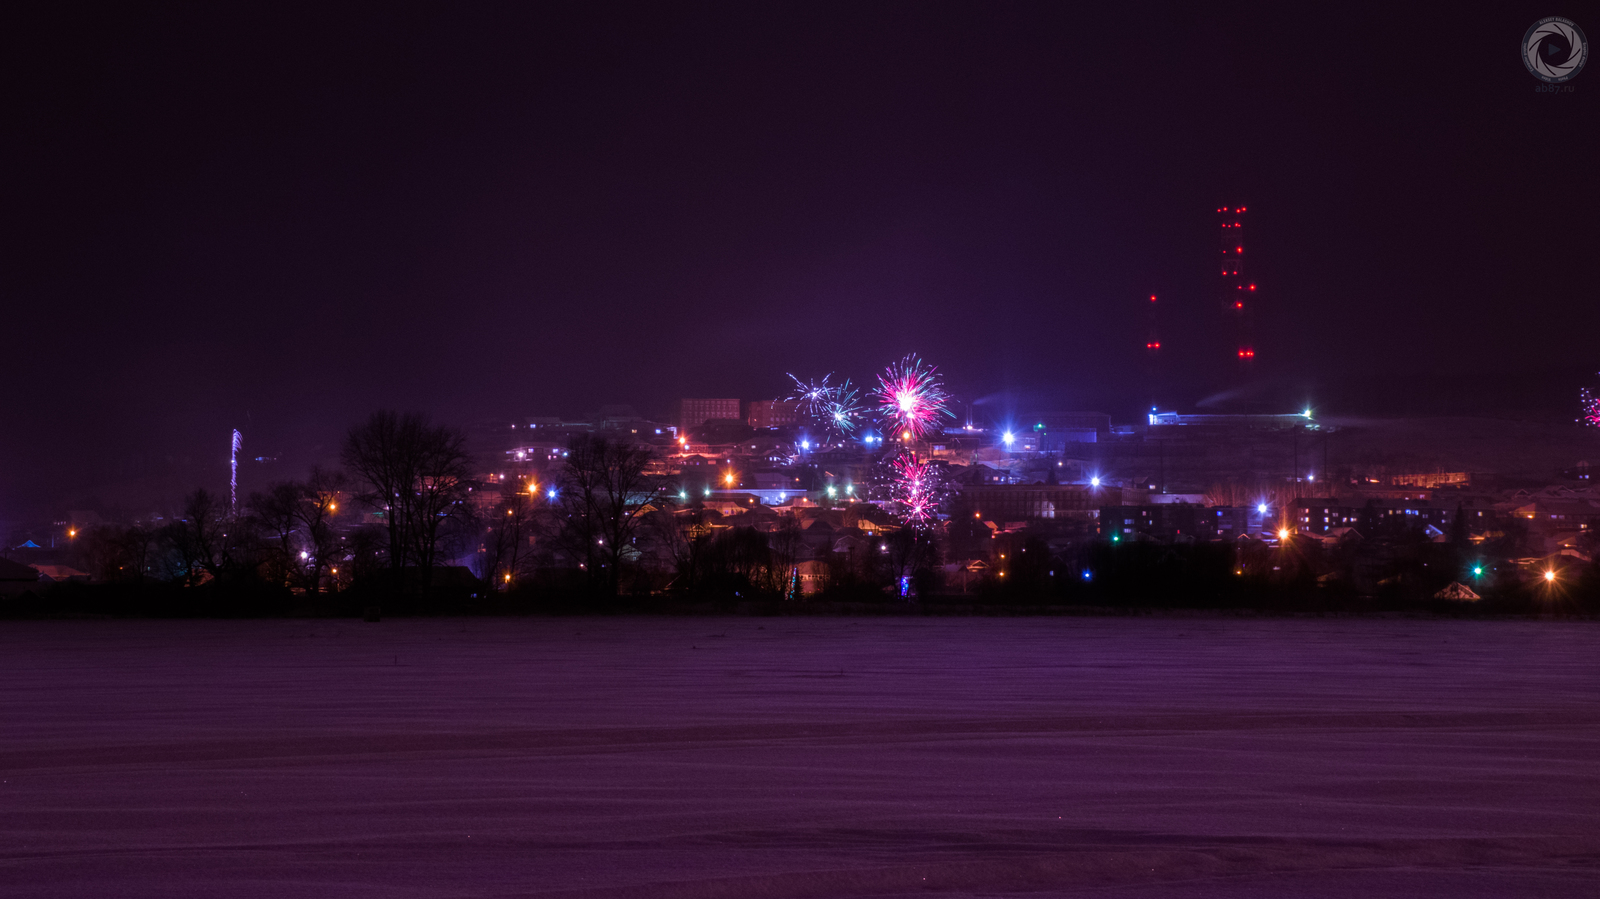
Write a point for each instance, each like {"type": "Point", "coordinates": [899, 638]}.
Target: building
{"type": "Point", "coordinates": [1167, 522]}
{"type": "Point", "coordinates": [1322, 516]}
{"type": "Point", "coordinates": [692, 413]}
{"type": "Point", "coordinates": [773, 414]}
{"type": "Point", "coordinates": [16, 577]}
{"type": "Point", "coordinates": [1035, 502]}
{"type": "Point", "coordinates": [1240, 422]}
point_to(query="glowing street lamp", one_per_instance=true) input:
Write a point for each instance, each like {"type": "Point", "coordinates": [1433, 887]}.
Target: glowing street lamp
{"type": "Point", "coordinates": [1094, 481]}
{"type": "Point", "coordinates": [1283, 533]}
{"type": "Point", "coordinates": [1008, 438]}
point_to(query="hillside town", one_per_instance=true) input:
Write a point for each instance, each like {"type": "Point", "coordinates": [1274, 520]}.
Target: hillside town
{"type": "Point", "coordinates": [758, 498]}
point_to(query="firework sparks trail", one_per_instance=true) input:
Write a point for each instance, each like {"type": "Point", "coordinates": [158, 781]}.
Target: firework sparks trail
{"type": "Point", "coordinates": [919, 487]}
{"type": "Point", "coordinates": [911, 395]}
{"type": "Point", "coordinates": [1591, 408]}
{"type": "Point", "coordinates": [233, 465]}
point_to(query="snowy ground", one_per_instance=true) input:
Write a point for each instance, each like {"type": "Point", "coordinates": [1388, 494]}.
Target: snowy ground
{"type": "Point", "coordinates": [795, 758]}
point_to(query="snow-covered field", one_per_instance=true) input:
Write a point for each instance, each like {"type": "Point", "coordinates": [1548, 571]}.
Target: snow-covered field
{"type": "Point", "coordinates": [742, 757]}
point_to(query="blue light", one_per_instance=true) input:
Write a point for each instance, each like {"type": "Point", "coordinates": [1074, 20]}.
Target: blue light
{"type": "Point", "coordinates": [1262, 508]}
{"type": "Point", "coordinates": [1008, 438]}
{"type": "Point", "coordinates": [1094, 481]}
{"type": "Point", "coordinates": [805, 444]}
{"type": "Point", "coordinates": [1088, 575]}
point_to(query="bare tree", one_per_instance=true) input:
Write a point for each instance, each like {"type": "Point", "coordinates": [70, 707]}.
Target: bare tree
{"type": "Point", "coordinates": [415, 474]}
{"type": "Point", "coordinates": [604, 487]}
{"type": "Point", "coordinates": [275, 515]}
{"type": "Point", "coordinates": [316, 511]}
{"type": "Point", "coordinates": [203, 538]}
{"type": "Point", "coordinates": [686, 536]}
{"type": "Point", "coordinates": [506, 534]}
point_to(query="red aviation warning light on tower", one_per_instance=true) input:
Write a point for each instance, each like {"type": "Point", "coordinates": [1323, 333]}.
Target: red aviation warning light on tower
{"type": "Point", "coordinates": [1152, 342]}
{"type": "Point", "coordinates": [1237, 293]}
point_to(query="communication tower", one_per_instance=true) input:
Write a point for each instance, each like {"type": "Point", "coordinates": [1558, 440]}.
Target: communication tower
{"type": "Point", "coordinates": [1152, 351]}
{"type": "Point", "coordinates": [1237, 292]}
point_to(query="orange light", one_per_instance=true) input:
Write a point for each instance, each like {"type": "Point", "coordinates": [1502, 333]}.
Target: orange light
{"type": "Point", "coordinates": [1283, 533]}
{"type": "Point", "coordinates": [905, 435]}
{"type": "Point", "coordinates": [1549, 576]}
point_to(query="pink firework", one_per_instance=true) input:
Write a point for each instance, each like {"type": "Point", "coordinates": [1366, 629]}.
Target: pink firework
{"type": "Point", "coordinates": [919, 488]}
{"type": "Point", "coordinates": [1591, 408]}
{"type": "Point", "coordinates": [911, 396]}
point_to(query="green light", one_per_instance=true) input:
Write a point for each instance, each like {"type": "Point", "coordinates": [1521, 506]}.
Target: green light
{"type": "Point", "coordinates": [1477, 571]}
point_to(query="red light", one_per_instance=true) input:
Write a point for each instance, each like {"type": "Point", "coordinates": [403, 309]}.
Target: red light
{"type": "Point", "coordinates": [1238, 305]}
{"type": "Point", "coordinates": [1152, 298]}
{"type": "Point", "coordinates": [1252, 287]}
{"type": "Point", "coordinates": [1238, 249]}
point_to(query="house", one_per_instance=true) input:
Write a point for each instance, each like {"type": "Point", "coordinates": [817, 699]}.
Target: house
{"type": "Point", "coordinates": [16, 578]}
{"type": "Point", "coordinates": [57, 574]}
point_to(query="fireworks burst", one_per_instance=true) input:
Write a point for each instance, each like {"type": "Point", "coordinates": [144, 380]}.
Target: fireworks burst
{"type": "Point", "coordinates": [1591, 408]}
{"type": "Point", "coordinates": [834, 408]}
{"type": "Point", "coordinates": [919, 487]}
{"type": "Point", "coordinates": [843, 412]}
{"type": "Point", "coordinates": [911, 395]}
{"type": "Point", "coordinates": [814, 396]}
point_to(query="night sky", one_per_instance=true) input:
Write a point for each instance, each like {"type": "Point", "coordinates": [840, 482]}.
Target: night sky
{"type": "Point", "coordinates": [278, 219]}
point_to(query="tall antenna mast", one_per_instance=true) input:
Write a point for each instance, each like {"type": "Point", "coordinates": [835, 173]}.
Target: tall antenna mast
{"type": "Point", "coordinates": [1237, 293]}
{"type": "Point", "coordinates": [233, 480]}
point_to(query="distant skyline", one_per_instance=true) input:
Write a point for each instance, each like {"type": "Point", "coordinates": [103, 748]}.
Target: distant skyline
{"type": "Point", "coordinates": [278, 219]}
